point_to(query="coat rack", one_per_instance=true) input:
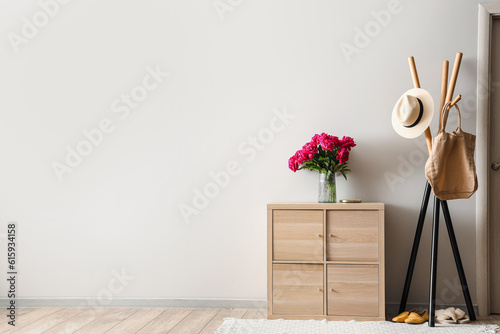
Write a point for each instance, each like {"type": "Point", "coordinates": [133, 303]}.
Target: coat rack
{"type": "Point", "coordinates": [446, 95]}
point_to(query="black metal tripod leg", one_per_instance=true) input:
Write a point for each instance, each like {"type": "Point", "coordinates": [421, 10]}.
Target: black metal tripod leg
{"type": "Point", "coordinates": [458, 260]}
{"type": "Point", "coordinates": [434, 255]}
{"type": "Point", "coordinates": [414, 251]}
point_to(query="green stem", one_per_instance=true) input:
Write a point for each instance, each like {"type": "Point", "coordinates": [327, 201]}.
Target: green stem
{"type": "Point", "coordinates": [331, 192]}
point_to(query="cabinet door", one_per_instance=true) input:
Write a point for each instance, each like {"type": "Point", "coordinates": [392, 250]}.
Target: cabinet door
{"type": "Point", "coordinates": [298, 289]}
{"type": "Point", "coordinates": [353, 290]}
{"type": "Point", "coordinates": [352, 235]}
{"type": "Point", "coordinates": [298, 235]}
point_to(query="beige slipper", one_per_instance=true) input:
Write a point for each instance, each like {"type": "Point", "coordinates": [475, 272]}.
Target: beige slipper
{"type": "Point", "coordinates": [464, 320]}
{"type": "Point", "coordinates": [453, 314]}
{"type": "Point", "coordinates": [461, 317]}
{"type": "Point", "coordinates": [459, 313]}
{"type": "Point", "coordinates": [445, 316]}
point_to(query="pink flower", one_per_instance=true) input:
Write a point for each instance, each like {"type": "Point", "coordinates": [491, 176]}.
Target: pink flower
{"type": "Point", "coordinates": [293, 164]}
{"type": "Point", "coordinates": [347, 143]}
{"type": "Point", "coordinates": [315, 139]}
{"type": "Point", "coordinates": [305, 154]}
{"type": "Point", "coordinates": [327, 146]}
{"type": "Point", "coordinates": [310, 148]}
{"type": "Point", "coordinates": [327, 142]}
{"type": "Point", "coordinates": [343, 155]}
{"type": "Point", "coordinates": [302, 156]}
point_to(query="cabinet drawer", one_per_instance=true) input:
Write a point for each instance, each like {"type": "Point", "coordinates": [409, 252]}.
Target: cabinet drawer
{"type": "Point", "coordinates": [298, 235]}
{"type": "Point", "coordinates": [353, 290]}
{"type": "Point", "coordinates": [298, 289]}
{"type": "Point", "coordinates": [352, 235]}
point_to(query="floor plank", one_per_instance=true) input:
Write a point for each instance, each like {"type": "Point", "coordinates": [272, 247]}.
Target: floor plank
{"type": "Point", "coordinates": [194, 322]}
{"type": "Point", "coordinates": [219, 319]}
{"type": "Point", "coordinates": [107, 321]}
{"type": "Point", "coordinates": [136, 321]}
{"type": "Point", "coordinates": [165, 321]}
{"type": "Point", "coordinates": [80, 320]}
{"type": "Point", "coordinates": [26, 318]}
{"type": "Point", "coordinates": [494, 319]}
{"type": "Point", "coordinates": [22, 311]}
{"type": "Point", "coordinates": [19, 311]}
{"type": "Point", "coordinates": [255, 314]}
{"type": "Point", "coordinates": [53, 319]}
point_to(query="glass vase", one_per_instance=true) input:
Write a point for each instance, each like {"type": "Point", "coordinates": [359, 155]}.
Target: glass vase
{"type": "Point", "coordinates": [327, 189]}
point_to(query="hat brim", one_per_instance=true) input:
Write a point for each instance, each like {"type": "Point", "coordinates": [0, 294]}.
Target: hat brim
{"type": "Point", "coordinates": [417, 130]}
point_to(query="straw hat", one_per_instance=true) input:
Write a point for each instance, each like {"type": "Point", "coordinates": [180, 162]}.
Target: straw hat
{"type": "Point", "coordinates": [413, 113]}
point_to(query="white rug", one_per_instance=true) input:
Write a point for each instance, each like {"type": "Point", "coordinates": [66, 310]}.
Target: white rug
{"type": "Point", "coordinates": [263, 326]}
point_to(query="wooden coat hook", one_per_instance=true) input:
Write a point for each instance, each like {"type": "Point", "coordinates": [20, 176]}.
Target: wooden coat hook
{"type": "Point", "coordinates": [446, 90]}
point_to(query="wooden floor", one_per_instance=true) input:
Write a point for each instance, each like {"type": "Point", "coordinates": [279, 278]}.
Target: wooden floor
{"type": "Point", "coordinates": [127, 320]}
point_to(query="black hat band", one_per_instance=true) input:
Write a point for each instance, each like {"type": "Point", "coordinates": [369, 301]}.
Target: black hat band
{"type": "Point", "coordinates": [419, 115]}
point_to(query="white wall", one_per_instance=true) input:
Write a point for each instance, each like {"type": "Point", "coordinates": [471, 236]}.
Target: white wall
{"type": "Point", "coordinates": [119, 208]}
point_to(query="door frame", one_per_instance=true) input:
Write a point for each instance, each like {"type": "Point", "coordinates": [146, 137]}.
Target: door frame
{"type": "Point", "coordinates": [486, 14]}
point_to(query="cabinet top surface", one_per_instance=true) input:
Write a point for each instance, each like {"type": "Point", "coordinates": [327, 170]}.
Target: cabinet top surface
{"type": "Point", "coordinates": [331, 206]}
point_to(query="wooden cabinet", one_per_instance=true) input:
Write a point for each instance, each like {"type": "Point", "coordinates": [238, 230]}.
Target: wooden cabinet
{"type": "Point", "coordinates": [353, 290]}
{"type": "Point", "coordinates": [298, 289]}
{"type": "Point", "coordinates": [298, 235]}
{"type": "Point", "coordinates": [352, 235]}
{"type": "Point", "coordinates": [326, 261]}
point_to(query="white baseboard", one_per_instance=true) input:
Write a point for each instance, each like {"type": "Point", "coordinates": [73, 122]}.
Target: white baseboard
{"type": "Point", "coordinates": [137, 303]}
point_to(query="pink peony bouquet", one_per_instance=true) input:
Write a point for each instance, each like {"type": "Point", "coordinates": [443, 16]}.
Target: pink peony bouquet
{"type": "Point", "coordinates": [324, 153]}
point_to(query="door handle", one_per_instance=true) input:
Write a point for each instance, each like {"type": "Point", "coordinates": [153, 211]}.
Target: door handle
{"type": "Point", "coordinates": [495, 166]}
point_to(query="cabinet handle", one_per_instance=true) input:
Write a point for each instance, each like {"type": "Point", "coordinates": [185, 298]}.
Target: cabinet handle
{"type": "Point", "coordinates": [319, 289]}
{"type": "Point", "coordinates": [330, 235]}
{"type": "Point", "coordinates": [319, 235]}
{"type": "Point", "coordinates": [331, 290]}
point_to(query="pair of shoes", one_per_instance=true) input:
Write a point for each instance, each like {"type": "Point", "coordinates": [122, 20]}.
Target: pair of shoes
{"type": "Point", "coordinates": [417, 317]}
{"type": "Point", "coordinates": [452, 315]}
{"type": "Point", "coordinates": [403, 316]}
{"type": "Point", "coordinates": [412, 317]}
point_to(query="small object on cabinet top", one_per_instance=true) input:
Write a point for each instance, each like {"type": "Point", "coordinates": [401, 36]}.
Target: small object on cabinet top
{"type": "Point", "coordinates": [350, 201]}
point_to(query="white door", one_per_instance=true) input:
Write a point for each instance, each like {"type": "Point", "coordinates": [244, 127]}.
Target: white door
{"type": "Point", "coordinates": [495, 174]}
